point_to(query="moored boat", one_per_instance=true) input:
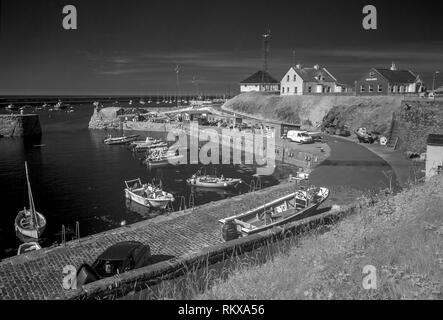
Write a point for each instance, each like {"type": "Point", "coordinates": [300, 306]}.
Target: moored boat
{"type": "Point", "coordinates": [28, 247]}
{"type": "Point", "coordinates": [147, 195]}
{"type": "Point", "coordinates": [11, 107]}
{"type": "Point", "coordinates": [29, 223]}
{"type": "Point", "coordinates": [120, 140]}
{"type": "Point", "coordinates": [275, 213]}
{"type": "Point", "coordinates": [210, 181]}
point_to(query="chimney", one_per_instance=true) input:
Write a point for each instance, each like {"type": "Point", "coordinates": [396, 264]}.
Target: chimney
{"type": "Point", "coordinates": [316, 67]}
{"type": "Point", "coordinates": [393, 67]}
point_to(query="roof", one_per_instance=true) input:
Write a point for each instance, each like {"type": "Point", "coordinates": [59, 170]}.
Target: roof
{"type": "Point", "coordinates": [119, 251]}
{"type": "Point", "coordinates": [311, 74]}
{"type": "Point", "coordinates": [260, 77]}
{"type": "Point", "coordinates": [435, 140]}
{"type": "Point", "coordinates": [397, 76]}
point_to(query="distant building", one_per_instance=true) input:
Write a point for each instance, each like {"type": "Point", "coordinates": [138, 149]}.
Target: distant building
{"type": "Point", "coordinates": [434, 155]}
{"type": "Point", "coordinates": [389, 82]}
{"type": "Point", "coordinates": [315, 80]}
{"type": "Point", "coordinates": [260, 81]}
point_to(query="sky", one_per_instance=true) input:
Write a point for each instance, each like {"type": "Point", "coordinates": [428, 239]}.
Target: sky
{"type": "Point", "coordinates": [133, 46]}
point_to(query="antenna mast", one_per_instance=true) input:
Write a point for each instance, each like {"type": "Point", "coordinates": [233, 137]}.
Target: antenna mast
{"type": "Point", "coordinates": [177, 71]}
{"type": "Point", "coordinates": [266, 43]}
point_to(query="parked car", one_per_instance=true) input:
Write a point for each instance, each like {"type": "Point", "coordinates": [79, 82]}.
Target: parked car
{"type": "Point", "coordinates": [119, 258]}
{"type": "Point", "coordinates": [299, 136]}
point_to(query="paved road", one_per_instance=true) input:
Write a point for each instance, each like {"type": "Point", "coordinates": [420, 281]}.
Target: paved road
{"type": "Point", "coordinates": [354, 166]}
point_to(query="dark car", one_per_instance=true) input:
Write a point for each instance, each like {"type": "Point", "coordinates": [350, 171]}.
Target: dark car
{"type": "Point", "coordinates": [119, 258]}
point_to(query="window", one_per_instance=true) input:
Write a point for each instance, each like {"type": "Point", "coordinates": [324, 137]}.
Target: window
{"type": "Point", "coordinates": [371, 88]}
{"type": "Point", "coordinates": [400, 89]}
{"type": "Point", "coordinates": [295, 89]}
{"type": "Point", "coordinates": [394, 89]}
{"type": "Point", "coordinates": [309, 89]}
{"type": "Point", "coordinates": [282, 89]}
{"type": "Point", "coordinates": [379, 88]}
{"type": "Point", "coordinates": [362, 88]}
{"type": "Point", "coordinates": [371, 74]}
{"type": "Point", "coordinates": [295, 77]}
{"type": "Point", "coordinates": [287, 78]}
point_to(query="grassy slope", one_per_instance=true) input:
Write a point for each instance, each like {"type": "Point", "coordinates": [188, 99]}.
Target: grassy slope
{"type": "Point", "coordinates": [310, 110]}
{"type": "Point", "coordinates": [402, 236]}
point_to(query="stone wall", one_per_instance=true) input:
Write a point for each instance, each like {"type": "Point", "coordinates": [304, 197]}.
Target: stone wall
{"type": "Point", "coordinates": [16, 125]}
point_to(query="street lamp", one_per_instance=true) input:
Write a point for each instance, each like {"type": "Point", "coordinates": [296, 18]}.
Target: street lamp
{"type": "Point", "coordinates": [433, 80]}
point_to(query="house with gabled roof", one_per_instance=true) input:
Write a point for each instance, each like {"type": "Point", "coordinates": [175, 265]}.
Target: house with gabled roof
{"type": "Point", "coordinates": [316, 80]}
{"type": "Point", "coordinates": [380, 81]}
{"type": "Point", "coordinates": [261, 81]}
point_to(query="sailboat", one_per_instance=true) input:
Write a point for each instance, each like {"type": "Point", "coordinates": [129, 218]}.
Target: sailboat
{"type": "Point", "coordinates": [30, 223]}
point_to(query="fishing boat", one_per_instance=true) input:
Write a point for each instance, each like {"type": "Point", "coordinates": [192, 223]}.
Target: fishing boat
{"type": "Point", "coordinates": [120, 140]}
{"type": "Point", "coordinates": [149, 143]}
{"type": "Point", "coordinates": [161, 157]}
{"type": "Point", "coordinates": [364, 137]}
{"type": "Point", "coordinates": [212, 181]}
{"type": "Point", "coordinates": [28, 247]}
{"type": "Point", "coordinates": [147, 195]}
{"type": "Point", "coordinates": [29, 223]}
{"type": "Point", "coordinates": [275, 213]}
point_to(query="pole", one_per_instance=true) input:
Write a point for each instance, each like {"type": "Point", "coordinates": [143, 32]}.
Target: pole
{"type": "Point", "coordinates": [433, 80]}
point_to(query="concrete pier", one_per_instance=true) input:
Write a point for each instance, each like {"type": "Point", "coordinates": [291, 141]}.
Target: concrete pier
{"type": "Point", "coordinates": [20, 125]}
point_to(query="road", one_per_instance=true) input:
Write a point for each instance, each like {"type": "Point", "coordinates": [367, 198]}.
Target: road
{"type": "Point", "coordinates": [353, 166]}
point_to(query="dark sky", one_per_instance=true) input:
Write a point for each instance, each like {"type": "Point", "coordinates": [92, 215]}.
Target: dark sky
{"type": "Point", "coordinates": [132, 46]}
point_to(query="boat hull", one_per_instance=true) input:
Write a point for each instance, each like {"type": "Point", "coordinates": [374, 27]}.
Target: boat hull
{"type": "Point", "coordinates": [160, 203]}
{"type": "Point", "coordinates": [217, 185]}
{"type": "Point", "coordinates": [31, 233]}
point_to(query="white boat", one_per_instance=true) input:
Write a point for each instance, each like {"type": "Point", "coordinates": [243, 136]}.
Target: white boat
{"type": "Point", "coordinates": [28, 247]}
{"type": "Point", "coordinates": [29, 223]}
{"type": "Point", "coordinates": [119, 140]}
{"type": "Point", "coordinates": [147, 195]}
{"type": "Point", "coordinates": [149, 143]}
{"type": "Point", "coordinates": [209, 181]}
{"type": "Point", "coordinates": [275, 213]}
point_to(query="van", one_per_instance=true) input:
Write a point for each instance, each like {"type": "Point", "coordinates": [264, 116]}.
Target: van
{"type": "Point", "coordinates": [299, 136]}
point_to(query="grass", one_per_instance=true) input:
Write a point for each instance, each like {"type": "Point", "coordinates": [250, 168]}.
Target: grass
{"type": "Point", "coordinates": [400, 235]}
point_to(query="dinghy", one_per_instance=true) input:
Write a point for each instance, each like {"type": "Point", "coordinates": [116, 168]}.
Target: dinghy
{"type": "Point", "coordinates": [212, 181]}
{"type": "Point", "coordinates": [275, 213]}
{"type": "Point", "coordinates": [29, 223]}
{"type": "Point", "coordinates": [28, 247]}
{"type": "Point", "coordinates": [147, 195]}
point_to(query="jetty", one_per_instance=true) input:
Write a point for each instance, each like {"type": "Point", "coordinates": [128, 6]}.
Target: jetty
{"type": "Point", "coordinates": [20, 125]}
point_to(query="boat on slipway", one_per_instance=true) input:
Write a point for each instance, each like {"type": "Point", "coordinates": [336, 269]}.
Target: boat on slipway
{"type": "Point", "coordinates": [29, 224]}
{"type": "Point", "coordinates": [212, 181]}
{"type": "Point", "coordinates": [147, 195]}
{"type": "Point", "coordinates": [120, 140]}
{"type": "Point", "coordinates": [273, 214]}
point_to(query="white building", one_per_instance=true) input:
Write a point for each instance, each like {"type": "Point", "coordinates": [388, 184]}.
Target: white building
{"type": "Point", "coordinates": [434, 155]}
{"type": "Point", "coordinates": [315, 80]}
{"type": "Point", "coordinates": [260, 82]}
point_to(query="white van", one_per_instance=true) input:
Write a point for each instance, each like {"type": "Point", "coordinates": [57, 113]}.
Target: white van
{"type": "Point", "coordinates": [299, 136]}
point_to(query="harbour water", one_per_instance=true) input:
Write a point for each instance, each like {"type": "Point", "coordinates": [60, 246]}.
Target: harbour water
{"type": "Point", "coordinates": [75, 177]}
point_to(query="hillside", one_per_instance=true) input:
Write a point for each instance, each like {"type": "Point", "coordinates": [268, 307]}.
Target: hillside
{"type": "Point", "coordinates": [311, 110]}
{"type": "Point", "coordinates": [401, 236]}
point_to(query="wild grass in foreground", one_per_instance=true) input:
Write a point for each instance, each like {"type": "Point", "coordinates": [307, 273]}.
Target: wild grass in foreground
{"type": "Point", "coordinates": [401, 236]}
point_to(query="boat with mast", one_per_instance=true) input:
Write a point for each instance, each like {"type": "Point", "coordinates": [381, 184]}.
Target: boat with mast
{"type": "Point", "coordinates": [29, 223]}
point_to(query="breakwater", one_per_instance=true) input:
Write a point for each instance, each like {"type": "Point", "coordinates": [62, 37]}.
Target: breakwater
{"type": "Point", "coordinates": [20, 125]}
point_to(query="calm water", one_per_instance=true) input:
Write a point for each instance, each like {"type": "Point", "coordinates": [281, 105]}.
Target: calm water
{"type": "Point", "coordinates": [75, 177]}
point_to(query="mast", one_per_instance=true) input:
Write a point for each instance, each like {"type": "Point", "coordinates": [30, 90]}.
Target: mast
{"type": "Point", "coordinates": [31, 199]}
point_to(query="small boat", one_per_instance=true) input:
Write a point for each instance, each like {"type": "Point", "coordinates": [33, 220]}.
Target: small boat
{"type": "Point", "coordinates": [147, 195]}
{"type": "Point", "coordinates": [149, 143]}
{"type": "Point", "coordinates": [28, 247]}
{"type": "Point", "coordinates": [161, 156]}
{"type": "Point", "coordinates": [59, 106]}
{"type": "Point", "coordinates": [364, 137]}
{"type": "Point", "coordinates": [210, 181]}
{"type": "Point", "coordinates": [120, 140]}
{"type": "Point", "coordinates": [142, 102]}
{"type": "Point", "coordinates": [29, 223]}
{"type": "Point", "coordinates": [11, 107]}
{"type": "Point", "coordinates": [275, 213]}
